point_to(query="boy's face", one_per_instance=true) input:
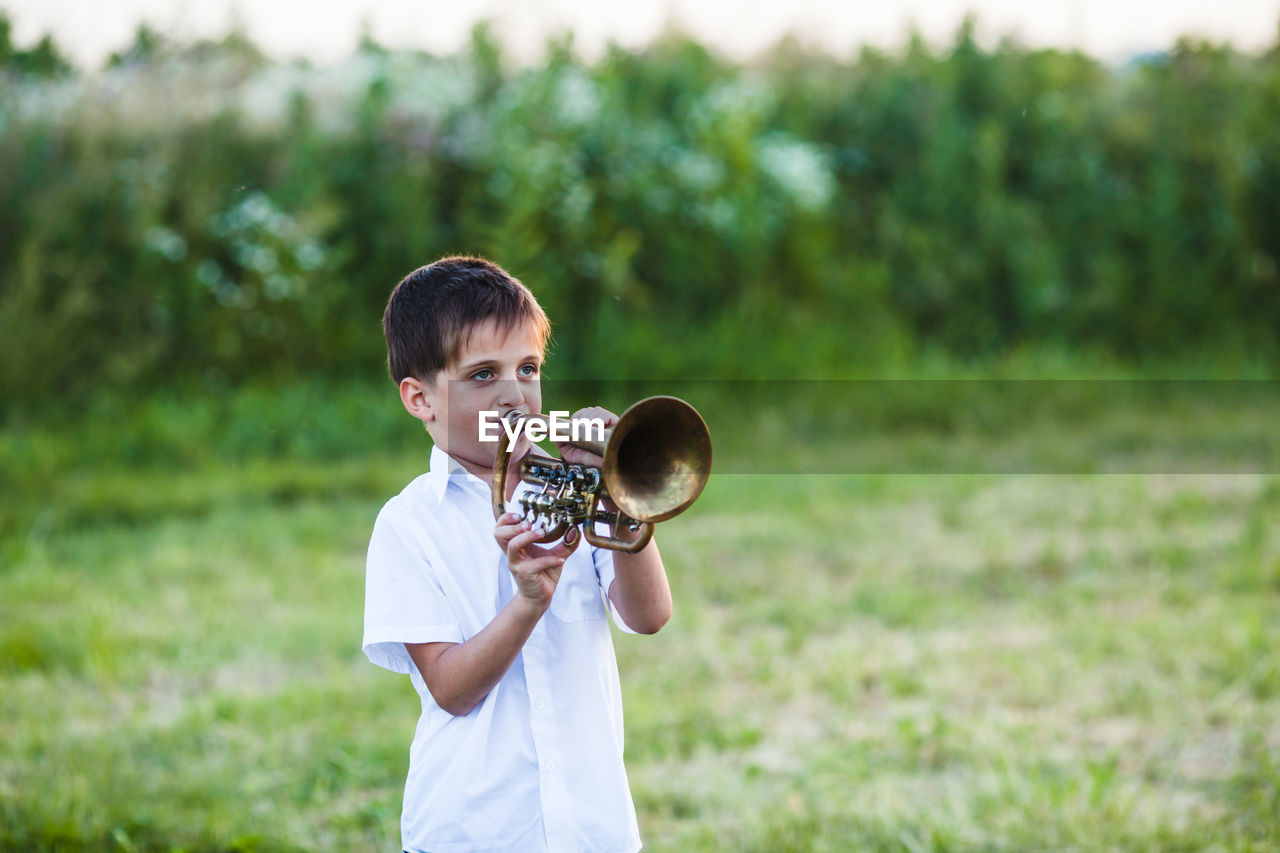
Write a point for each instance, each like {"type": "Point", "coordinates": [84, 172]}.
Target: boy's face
{"type": "Point", "coordinates": [495, 371]}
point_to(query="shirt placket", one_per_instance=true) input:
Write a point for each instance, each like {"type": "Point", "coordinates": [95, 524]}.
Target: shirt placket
{"type": "Point", "coordinates": [553, 787]}
{"type": "Point", "coordinates": [546, 742]}
{"type": "Point", "coordinates": [552, 791]}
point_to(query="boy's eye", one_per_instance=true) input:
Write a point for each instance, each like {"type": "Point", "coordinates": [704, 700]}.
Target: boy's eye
{"type": "Point", "coordinates": [529, 370]}
{"type": "Point", "coordinates": [483, 375]}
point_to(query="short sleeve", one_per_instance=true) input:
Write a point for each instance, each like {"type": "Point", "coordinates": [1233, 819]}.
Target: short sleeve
{"type": "Point", "coordinates": [403, 601]}
{"type": "Point", "coordinates": [603, 559]}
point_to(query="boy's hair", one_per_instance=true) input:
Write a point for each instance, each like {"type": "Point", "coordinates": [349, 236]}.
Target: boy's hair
{"type": "Point", "coordinates": [434, 308]}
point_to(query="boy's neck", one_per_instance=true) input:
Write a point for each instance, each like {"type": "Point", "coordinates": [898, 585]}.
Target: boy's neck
{"type": "Point", "coordinates": [485, 473]}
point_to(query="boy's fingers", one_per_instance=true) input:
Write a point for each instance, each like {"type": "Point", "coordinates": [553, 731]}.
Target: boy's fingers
{"type": "Point", "coordinates": [523, 540]}
{"type": "Point", "coordinates": [562, 547]}
{"type": "Point", "coordinates": [540, 565]}
{"type": "Point", "coordinates": [558, 553]}
{"type": "Point", "coordinates": [566, 546]}
{"type": "Point", "coordinates": [578, 456]}
{"type": "Point", "coordinates": [520, 540]}
{"type": "Point", "coordinates": [506, 531]}
{"type": "Point", "coordinates": [609, 418]}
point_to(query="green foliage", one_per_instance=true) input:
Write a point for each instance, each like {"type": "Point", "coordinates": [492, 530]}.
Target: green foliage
{"type": "Point", "coordinates": [199, 213]}
{"type": "Point", "coordinates": [42, 60]}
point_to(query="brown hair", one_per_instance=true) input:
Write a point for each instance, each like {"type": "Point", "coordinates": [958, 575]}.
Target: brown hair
{"type": "Point", "coordinates": [433, 309]}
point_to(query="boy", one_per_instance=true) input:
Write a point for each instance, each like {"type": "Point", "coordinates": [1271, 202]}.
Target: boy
{"type": "Point", "coordinates": [519, 745]}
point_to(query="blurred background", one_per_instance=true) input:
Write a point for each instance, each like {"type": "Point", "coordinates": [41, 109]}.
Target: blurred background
{"type": "Point", "coordinates": [966, 600]}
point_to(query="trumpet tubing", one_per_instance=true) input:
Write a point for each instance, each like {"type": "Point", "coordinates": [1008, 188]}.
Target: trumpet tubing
{"type": "Point", "coordinates": [656, 461]}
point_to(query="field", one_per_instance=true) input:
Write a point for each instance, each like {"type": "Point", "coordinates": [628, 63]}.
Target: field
{"type": "Point", "coordinates": [887, 661]}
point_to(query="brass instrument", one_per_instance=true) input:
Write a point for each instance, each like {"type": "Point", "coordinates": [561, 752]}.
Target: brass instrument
{"type": "Point", "coordinates": [656, 461]}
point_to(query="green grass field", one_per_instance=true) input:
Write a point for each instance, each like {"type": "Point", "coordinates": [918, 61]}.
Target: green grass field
{"type": "Point", "coordinates": [885, 662]}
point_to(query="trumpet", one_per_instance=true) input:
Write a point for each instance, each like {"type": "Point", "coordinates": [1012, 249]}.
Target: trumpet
{"type": "Point", "coordinates": [656, 461]}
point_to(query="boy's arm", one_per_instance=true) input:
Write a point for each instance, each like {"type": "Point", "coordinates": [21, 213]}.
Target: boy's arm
{"type": "Point", "coordinates": [640, 591]}
{"type": "Point", "coordinates": [460, 675]}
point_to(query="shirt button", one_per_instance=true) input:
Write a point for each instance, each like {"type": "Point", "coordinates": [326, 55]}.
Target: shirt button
{"type": "Point", "coordinates": [550, 765]}
{"type": "Point", "coordinates": [539, 704]}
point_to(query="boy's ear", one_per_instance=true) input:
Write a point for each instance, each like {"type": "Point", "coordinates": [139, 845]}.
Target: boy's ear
{"type": "Point", "coordinates": [415, 394]}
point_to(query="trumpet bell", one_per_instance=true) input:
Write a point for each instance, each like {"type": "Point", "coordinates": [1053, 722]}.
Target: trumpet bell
{"type": "Point", "coordinates": [657, 459]}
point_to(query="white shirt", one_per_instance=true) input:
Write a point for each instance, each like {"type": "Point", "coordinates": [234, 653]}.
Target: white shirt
{"type": "Point", "coordinates": [538, 764]}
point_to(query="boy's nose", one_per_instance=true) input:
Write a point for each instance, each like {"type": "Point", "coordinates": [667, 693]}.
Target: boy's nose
{"type": "Point", "coordinates": [509, 396]}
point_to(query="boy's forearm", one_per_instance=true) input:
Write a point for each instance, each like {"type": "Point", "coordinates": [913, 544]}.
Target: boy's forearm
{"type": "Point", "coordinates": [640, 590]}
{"type": "Point", "coordinates": [462, 675]}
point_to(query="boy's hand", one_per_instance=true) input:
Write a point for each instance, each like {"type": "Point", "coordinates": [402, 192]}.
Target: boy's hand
{"type": "Point", "coordinates": [535, 569]}
{"type": "Point", "coordinates": [578, 456]}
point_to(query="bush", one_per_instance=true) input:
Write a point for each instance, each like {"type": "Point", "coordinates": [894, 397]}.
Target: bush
{"type": "Point", "coordinates": [198, 212]}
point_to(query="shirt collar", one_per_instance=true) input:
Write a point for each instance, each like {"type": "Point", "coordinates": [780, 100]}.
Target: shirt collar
{"type": "Point", "coordinates": [444, 468]}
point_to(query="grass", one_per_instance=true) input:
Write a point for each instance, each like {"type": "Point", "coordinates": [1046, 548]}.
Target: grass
{"type": "Point", "coordinates": [978, 663]}
{"type": "Point", "coordinates": [860, 661]}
